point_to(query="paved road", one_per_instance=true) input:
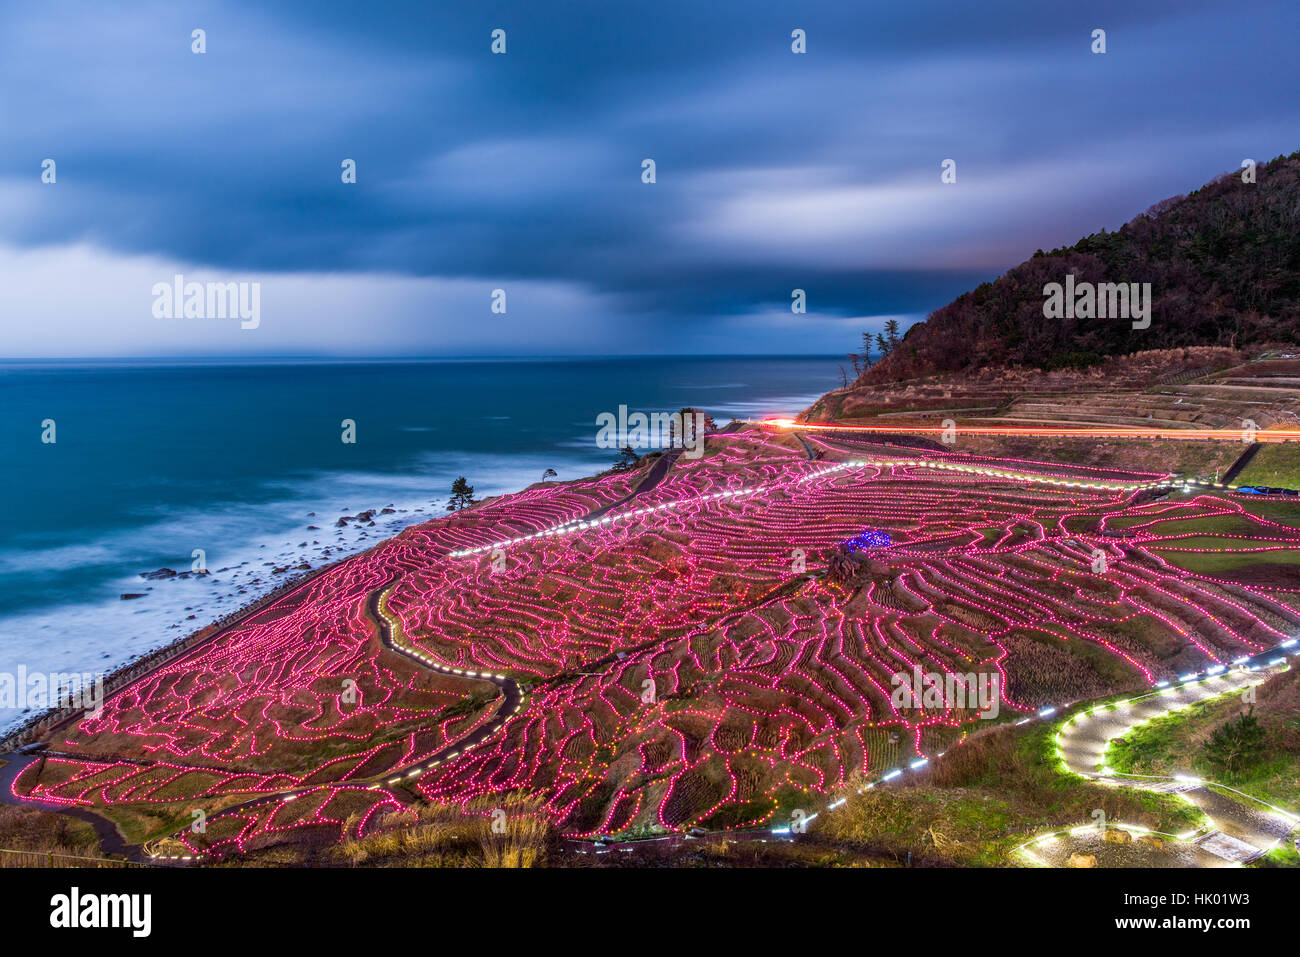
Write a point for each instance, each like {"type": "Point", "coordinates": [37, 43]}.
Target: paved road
{"type": "Point", "coordinates": [1083, 432]}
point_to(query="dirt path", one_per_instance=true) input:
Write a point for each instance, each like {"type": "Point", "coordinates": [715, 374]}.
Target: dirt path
{"type": "Point", "coordinates": [652, 478]}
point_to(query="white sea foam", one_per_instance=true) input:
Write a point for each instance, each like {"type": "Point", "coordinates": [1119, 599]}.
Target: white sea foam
{"type": "Point", "coordinates": [103, 632]}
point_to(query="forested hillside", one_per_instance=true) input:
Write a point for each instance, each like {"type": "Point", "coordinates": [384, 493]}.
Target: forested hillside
{"type": "Point", "coordinates": [1223, 264]}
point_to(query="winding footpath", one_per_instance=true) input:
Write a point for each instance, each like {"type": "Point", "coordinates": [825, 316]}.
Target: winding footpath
{"type": "Point", "coordinates": [110, 839]}
{"type": "Point", "coordinates": [1239, 831]}
{"type": "Point", "coordinates": [653, 477]}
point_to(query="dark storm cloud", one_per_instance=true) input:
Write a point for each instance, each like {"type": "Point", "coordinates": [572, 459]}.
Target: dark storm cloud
{"type": "Point", "coordinates": [775, 171]}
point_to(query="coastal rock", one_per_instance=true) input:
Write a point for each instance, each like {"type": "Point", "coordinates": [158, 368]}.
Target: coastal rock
{"type": "Point", "coordinates": [126, 596]}
{"type": "Point", "coordinates": [158, 574]}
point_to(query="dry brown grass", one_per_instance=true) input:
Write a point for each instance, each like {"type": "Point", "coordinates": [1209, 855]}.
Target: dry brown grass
{"type": "Point", "coordinates": [31, 838]}
{"type": "Point", "coordinates": [1279, 707]}
{"type": "Point", "coordinates": [527, 833]}
{"type": "Point", "coordinates": [432, 834]}
{"type": "Point", "coordinates": [442, 835]}
{"type": "Point", "coordinates": [53, 855]}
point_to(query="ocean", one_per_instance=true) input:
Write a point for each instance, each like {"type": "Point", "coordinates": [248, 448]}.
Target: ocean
{"type": "Point", "coordinates": [154, 460]}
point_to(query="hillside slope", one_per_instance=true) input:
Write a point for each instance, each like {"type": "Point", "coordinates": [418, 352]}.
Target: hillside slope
{"type": "Point", "coordinates": [1224, 268]}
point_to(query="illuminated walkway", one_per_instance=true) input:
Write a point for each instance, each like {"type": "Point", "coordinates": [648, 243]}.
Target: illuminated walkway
{"type": "Point", "coordinates": [642, 514]}
{"type": "Point", "coordinates": [1239, 831]}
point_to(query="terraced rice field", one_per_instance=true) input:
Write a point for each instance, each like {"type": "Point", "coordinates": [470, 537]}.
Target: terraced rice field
{"type": "Point", "coordinates": [687, 659]}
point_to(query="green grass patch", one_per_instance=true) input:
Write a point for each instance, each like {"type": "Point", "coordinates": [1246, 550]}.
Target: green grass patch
{"type": "Point", "coordinates": [1283, 510]}
{"type": "Point", "coordinates": [1208, 563]}
{"type": "Point", "coordinates": [1277, 465]}
{"type": "Point", "coordinates": [1207, 525]}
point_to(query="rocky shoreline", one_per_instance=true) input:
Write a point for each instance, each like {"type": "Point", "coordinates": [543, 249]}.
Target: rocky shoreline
{"type": "Point", "coordinates": [44, 722]}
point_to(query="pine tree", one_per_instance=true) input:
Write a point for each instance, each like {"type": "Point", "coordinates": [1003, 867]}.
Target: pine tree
{"type": "Point", "coordinates": [891, 333]}
{"type": "Point", "coordinates": [627, 460]}
{"type": "Point", "coordinates": [1236, 744]}
{"type": "Point", "coordinates": [462, 495]}
{"type": "Point", "coordinates": [882, 345]}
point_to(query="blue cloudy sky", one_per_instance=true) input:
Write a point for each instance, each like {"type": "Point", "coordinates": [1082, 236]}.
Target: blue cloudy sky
{"type": "Point", "coordinates": [523, 171]}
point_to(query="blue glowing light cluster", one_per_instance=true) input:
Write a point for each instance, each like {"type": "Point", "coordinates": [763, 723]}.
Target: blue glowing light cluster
{"type": "Point", "coordinates": [869, 538]}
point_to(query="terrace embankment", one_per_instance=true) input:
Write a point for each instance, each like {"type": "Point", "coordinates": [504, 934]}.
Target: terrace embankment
{"type": "Point", "coordinates": [1196, 388]}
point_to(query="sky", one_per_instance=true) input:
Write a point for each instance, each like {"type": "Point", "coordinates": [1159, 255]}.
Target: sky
{"type": "Point", "coordinates": [523, 171]}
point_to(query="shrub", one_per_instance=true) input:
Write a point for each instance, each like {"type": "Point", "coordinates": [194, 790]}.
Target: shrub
{"type": "Point", "coordinates": [1236, 744]}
